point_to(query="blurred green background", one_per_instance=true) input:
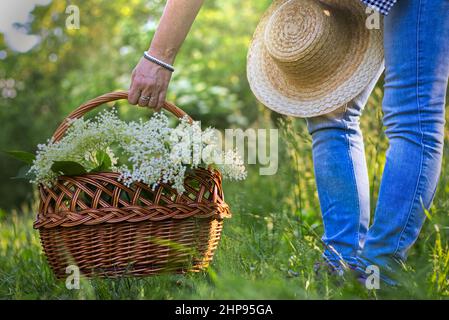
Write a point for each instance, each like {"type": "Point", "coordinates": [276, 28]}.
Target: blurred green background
{"type": "Point", "coordinates": [40, 86]}
{"type": "Point", "coordinates": [270, 245]}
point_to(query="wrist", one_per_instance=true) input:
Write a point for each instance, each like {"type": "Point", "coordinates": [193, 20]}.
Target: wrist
{"type": "Point", "coordinates": [166, 55]}
{"type": "Point", "coordinates": [159, 62]}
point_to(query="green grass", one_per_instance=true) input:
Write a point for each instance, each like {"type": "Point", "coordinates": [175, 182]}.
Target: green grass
{"type": "Point", "coordinates": [267, 250]}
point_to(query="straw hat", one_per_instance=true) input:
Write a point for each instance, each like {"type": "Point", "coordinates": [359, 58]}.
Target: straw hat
{"type": "Point", "coordinates": [310, 57]}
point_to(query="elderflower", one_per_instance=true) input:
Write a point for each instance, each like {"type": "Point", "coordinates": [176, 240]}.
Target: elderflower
{"type": "Point", "coordinates": [149, 151]}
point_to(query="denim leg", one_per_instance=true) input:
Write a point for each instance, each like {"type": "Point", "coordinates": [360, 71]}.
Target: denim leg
{"type": "Point", "coordinates": [416, 77]}
{"type": "Point", "coordinates": [342, 179]}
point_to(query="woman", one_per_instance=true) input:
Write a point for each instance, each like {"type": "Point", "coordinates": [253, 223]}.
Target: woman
{"type": "Point", "coordinates": [416, 46]}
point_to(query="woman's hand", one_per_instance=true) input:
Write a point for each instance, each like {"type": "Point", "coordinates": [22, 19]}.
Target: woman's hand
{"type": "Point", "coordinates": [149, 83]}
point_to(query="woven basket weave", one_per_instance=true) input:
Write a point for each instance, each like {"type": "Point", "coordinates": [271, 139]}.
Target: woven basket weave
{"type": "Point", "coordinates": [108, 229]}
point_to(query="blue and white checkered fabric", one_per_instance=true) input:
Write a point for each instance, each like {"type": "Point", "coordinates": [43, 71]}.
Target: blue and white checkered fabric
{"type": "Point", "coordinates": [383, 6]}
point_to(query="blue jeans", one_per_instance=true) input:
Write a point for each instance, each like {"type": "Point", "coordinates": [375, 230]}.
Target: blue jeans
{"type": "Point", "coordinates": [416, 43]}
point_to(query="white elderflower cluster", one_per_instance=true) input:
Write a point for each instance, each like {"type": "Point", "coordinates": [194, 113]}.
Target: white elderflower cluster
{"type": "Point", "coordinates": [80, 143]}
{"type": "Point", "coordinates": [145, 151]}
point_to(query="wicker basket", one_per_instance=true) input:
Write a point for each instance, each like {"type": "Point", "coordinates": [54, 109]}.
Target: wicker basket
{"type": "Point", "coordinates": [108, 229]}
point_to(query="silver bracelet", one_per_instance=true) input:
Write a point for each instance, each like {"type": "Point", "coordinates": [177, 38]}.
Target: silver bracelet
{"type": "Point", "coordinates": [158, 62]}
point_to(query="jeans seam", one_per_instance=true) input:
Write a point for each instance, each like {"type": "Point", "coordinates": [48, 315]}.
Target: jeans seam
{"type": "Point", "coordinates": [401, 236]}
{"type": "Point", "coordinates": [355, 186]}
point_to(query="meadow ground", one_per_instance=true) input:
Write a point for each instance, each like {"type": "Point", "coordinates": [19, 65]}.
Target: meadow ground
{"type": "Point", "coordinates": [267, 250]}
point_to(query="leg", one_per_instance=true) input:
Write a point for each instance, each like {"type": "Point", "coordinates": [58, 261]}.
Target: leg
{"type": "Point", "coordinates": [342, 178]}
{"type": "Point", "coordinates": [417, 70]}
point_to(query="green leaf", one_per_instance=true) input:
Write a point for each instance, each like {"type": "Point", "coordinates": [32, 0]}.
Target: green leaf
{"type": "Point", "coordinates": [22, 156]}
{"type": "Point", "coordinates": [68, 168]}
{"type": "Point", "coordinates": [118, 152]}
{"type": "Point", "coordinates": [104, 162]}
{"type": "Point", "coordinates": [24, 173]}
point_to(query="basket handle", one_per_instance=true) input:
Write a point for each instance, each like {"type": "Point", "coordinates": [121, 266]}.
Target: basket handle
{"type": "Point", "coordinates": [108, 97]}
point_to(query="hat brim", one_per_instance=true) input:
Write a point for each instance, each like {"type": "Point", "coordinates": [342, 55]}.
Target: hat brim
{"type": "Point", "coordinates": [364, 61]}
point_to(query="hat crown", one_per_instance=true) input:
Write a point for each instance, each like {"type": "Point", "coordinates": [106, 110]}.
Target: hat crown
{"type": "Point", "coordinates": [311, 57]}
{"type": "Point", "coordinates": [301, 36]}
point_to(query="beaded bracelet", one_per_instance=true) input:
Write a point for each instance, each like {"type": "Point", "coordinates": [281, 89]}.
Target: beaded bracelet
{"type": "Point", "coordinates": [158, 62]}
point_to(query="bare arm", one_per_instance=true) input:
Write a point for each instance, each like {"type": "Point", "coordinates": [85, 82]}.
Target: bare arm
{"type": "Point", "coordinates": [149, 79]}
